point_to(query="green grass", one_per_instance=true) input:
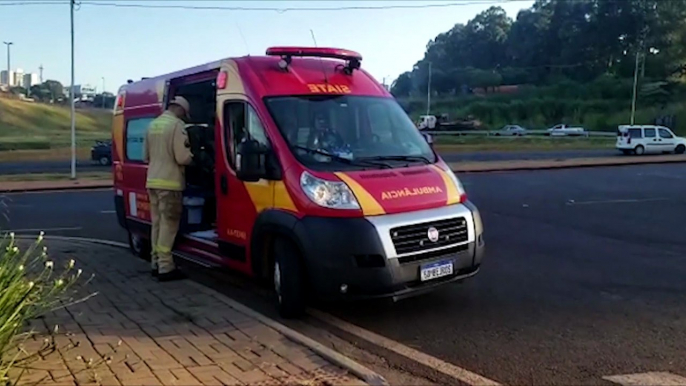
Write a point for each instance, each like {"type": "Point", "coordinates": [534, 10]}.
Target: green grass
{"type": "Point", "coordinates": [37, 126]}
{"type": "Point", "coordinates": [486, 143]}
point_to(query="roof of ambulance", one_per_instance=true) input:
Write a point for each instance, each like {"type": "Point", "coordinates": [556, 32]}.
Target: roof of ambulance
{"type": "Point", "coordinates": [262, 75]}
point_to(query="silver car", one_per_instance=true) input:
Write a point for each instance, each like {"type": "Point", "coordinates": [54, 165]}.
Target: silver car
{"type": "Point", "coordinates": [511, 130]}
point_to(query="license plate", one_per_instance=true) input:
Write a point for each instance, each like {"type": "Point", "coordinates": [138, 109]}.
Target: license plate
{"type": "Point", "coordinates": [436, 270]}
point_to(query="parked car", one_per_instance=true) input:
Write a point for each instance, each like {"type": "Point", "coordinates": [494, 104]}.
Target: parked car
{"type": "Point", "coordinates": [511, 130]}
{"type": "Point", "coordinates": [648, 139]}
{"type": "Point", "coordinates": [101, 152]}
{"type": "Point", "coordinates": [564, 130]}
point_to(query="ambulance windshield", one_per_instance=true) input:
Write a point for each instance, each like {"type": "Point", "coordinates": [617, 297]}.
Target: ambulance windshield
{"type": "Point", "coordinates": [328, 132]}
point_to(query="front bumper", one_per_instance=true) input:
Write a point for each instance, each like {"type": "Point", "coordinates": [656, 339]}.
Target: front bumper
{"type": "Point", "coordinates": [359, 255]}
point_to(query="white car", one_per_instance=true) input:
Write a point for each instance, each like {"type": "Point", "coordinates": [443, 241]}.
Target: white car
{"type": "Point", "coordinates": [511, 130]}
{"type": "Point", "coordinates": [648, 139]}
{"type": "Point", "coordinates": [562, 129]}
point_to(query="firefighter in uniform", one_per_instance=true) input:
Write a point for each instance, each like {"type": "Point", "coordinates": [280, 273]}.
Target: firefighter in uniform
{"type": "Point", "coordinates": [167, 151]}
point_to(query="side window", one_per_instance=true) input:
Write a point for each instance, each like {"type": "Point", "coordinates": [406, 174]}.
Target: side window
{"type": "Point", "coordinates": [635, 133]}
{"type": "Point", "coordinates": [650, 133]}
{"type": "Point", "coordinates": [664, 133]}
{"type": "Point", "coordinates": [135, 137]}
{"type": "Point", "coordinates": [241, 122]}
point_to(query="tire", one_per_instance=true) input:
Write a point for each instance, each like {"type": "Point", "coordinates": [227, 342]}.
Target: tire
{"type": "Point", "coordinates": [104, 161]}
{"type": "Point", "coordinates": [139, 246]}
{"type": "Point", "coordinates": [288, 276]}
{"type": "Point", "coordinates": [639, 150]}
{"type": "Point", "coordinates": [681, 149]}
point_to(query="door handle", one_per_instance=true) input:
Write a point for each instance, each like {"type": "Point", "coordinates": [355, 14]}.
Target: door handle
{"type": "Point", "coordinates": [224, 184]}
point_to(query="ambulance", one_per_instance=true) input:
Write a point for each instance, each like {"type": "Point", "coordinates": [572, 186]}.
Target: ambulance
{"type": "Point", "coordinates": [307, 175]}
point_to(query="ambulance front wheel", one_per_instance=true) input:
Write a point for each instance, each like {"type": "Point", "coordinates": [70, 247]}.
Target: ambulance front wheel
{"type": "Point", "coordinates": [289, 280]}
{"type": "Point", "coordinates": [139, 245]}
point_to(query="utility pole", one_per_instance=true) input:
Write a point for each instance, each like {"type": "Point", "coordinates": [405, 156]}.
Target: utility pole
{"type": "Point", "coordinates": [633, 98]}
{"type": "Point", "coordinates": [428, 93]}
{"type": "Point", "coordinates": [41, 73]}
{"type": "Point", "coordinates": [9, 73]}
{"type": "Point", "coordinates": [71, 97]}
{"type": "Point", "coordinates": [102, 94]}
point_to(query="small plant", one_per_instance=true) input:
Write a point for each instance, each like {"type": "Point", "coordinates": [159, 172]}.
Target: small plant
{"type": "Point", "coordinates": [32, 285]}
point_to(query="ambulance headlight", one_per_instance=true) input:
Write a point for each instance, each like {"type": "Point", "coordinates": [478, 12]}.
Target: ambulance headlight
{"type": "Point", "coordinates": [329, 194]}
{"type": "Point", "coordinates": [458, 185]}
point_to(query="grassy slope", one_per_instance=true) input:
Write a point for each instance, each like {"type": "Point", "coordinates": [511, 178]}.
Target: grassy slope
{"type": "Point", "coordinates": [482, 143]}
{"type": "Point", "coordinates": [25, 121]}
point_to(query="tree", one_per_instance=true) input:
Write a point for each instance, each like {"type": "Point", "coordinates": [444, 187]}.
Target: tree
{"type": "Point", "coordinates": [18, 90]}
{"type": "Point", "coordinates": [55, 89]}
{"type": "Point", "coordinates": [403, 85]}
{"type": "Point", "coordinates": [577, 40]}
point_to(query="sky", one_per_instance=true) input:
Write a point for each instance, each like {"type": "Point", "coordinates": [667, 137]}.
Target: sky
{"type": "Point", "coordinates": [116, 43]}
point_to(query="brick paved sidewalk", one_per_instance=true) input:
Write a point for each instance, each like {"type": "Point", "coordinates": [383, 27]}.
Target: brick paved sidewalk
{"type": "Point", "coordinates": [137, 331]}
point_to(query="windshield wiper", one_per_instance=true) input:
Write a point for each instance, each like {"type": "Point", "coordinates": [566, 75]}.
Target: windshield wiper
{"type": "Point", "coordinates": [417, 158]}
{"type": "Point", "coordinates": [358, 162]}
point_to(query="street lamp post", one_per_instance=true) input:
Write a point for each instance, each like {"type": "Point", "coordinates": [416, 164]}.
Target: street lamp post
{"type": "Point", "coordinates": [635, 90]}
{"type": "Point", "coordinates": [102, 94]}
{"type": "Point", "coordinates": [8, 44]}
{"type": "Point", "coordinates": [428, 93]}
{"type": "Point", "coordinates": [71, 97]}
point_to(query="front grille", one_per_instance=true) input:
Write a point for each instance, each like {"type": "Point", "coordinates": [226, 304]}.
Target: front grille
{"type": "Point", "coordinates": [447, 252]}
{"type": "Point", "coordinates": [415, 238]}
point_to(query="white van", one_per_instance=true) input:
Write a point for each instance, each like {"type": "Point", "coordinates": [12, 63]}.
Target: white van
{"type": "Point", "coordinates": [648, 139]}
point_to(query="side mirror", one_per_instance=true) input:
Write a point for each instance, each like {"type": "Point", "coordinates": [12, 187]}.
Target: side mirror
{"type": "Point", "coordinates": [251, 160]}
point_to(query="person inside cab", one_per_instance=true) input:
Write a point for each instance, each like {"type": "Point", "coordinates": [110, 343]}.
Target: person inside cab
{"type": "Point", "coordinates": [325, 138]}
{"type": "Point", "coordinates": [167, 152]}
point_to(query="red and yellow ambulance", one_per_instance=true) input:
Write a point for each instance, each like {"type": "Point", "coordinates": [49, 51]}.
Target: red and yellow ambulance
{"type": "Point", "coordinates": [306, 173]}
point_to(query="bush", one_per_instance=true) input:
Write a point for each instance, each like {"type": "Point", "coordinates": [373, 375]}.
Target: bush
{"type": "Point", "coordinates": [31, 286]}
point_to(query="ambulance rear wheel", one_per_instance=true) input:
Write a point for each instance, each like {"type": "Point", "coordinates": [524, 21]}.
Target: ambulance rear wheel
{"type": "Point", "coordinates": [139, 245]}
{"type": "Point", "coordinates": [289, 280]}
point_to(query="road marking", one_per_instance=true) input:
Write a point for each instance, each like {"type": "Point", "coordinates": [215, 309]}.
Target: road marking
{"type": "Point", "coordinates": [44, 229]}
{"type": "Point", "coordinates": [625, 201]}
{"type": "Point", "coordinates": [650, 378]}
{"type": "Point", "coordinates": [448, 369]}
{"type": "Point", "coordinates": [108, 211]}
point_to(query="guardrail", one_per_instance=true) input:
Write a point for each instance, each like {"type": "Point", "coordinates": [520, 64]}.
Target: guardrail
{"type": "Point", "coordinates": [501, 134]}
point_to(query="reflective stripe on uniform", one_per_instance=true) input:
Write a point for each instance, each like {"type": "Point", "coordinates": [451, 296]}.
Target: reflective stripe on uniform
{"type": "Point", "coordinates": [160, 124]}
{"type": "Point", "coordinates": [158, 183]}
{"type": "Point", "coordinates": [162, 249]}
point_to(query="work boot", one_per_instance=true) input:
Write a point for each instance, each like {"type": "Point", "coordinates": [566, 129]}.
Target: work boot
{"type": "Point", "coordinates": [171, 276]}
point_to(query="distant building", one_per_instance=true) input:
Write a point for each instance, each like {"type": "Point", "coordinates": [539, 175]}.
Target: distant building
{"type": "Point", "coordinates": [6, 78]}
{"type": "Point", "coordinates": [18, 77]}
{"type": "Point", "coordinates": [30, 80]}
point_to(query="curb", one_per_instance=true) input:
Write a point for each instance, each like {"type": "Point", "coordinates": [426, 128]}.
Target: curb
{"type": "Point", "coordinates": [367, 375]}
{"type": "Point", "coordinates": [362, 372]}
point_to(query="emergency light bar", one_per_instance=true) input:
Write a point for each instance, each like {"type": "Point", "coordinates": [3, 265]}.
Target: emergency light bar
{"type": "Point", "coordinates": [286, 53]}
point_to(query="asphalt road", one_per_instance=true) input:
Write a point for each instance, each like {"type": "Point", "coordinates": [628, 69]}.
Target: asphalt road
{"type": "Point", "coordinates": [583, 278]}
{"type": "Point", "coordinates": [65, 166]}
